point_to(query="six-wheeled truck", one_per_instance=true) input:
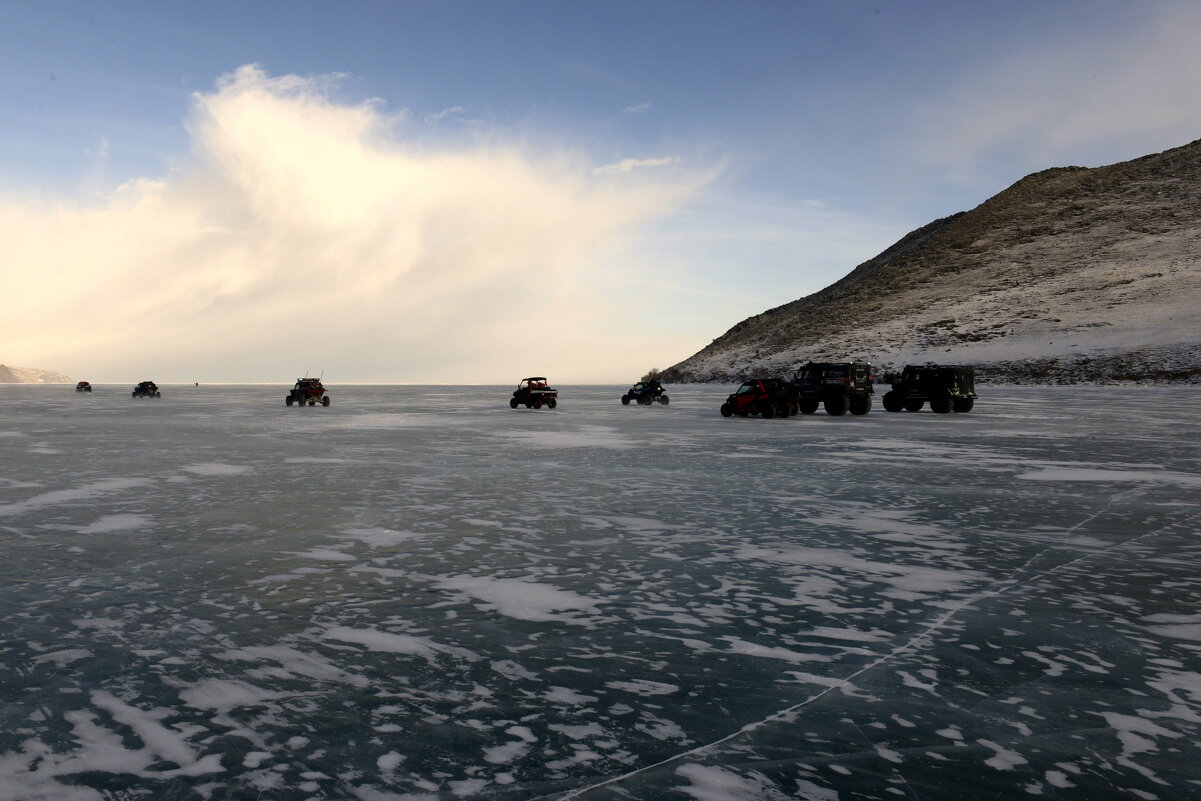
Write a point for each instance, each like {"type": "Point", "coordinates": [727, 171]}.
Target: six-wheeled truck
{"type": "Point", "coordinates": [839, 386]}
{"type": "Point", "coordinates": [766, 397]}
{"type": "Point", "coordinates": [534, 393]}
{"type": "Point", "coordinates": [83, 386]}
{"type": "Point", "coordinates": [146, 389]}
{"type": "Point", "coordinates": [307, 391]}
{"type": "Point", "coordinates": [946, 387]}
{"type": "Point", "coordinates": [645, 393]}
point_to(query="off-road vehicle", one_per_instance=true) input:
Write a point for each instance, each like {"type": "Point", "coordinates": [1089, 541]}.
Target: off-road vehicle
{"type": "Point", "coordinates": [645, 393]}
{"type": "Point", "coordinates": [307, 391]}
{"type": "Point", "coordinates": [83, 386]}
{"type": "Point", "coordinates": [146, 389]}
{"type": "Point", "coordinates": [838, 386]}
{"type": "Point", "coordinates": [767, 397]}
{"type": "Point", "coordinates": [946, 387]}
{"type": "Point", "coordinates": [534, 393]}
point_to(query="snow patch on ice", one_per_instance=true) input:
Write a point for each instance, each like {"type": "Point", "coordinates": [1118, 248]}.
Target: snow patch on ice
{"type": "Point", "coordinates": [216, 469]}
{"type": "Point", "coordinates": [1094, 474]}
{"type": "Point", "coordinates": [521, 599]}
{"type": "Point", "coordinates": [720, 784]}
{"type": "Point", "coordinates": [1004, 759]}
{"type": "Point", "coordinates": [83, 493]}
{"type": "Point", "coordinates": [643, 687]}
{"type": "Point", "coordinates": [109, 523]}
{"type": "Point", "coordinates": [380, 537]}
{"type": "Point", "coordinates": [387, 642]}
{"type": "Point", "coordinates": [223, 695]}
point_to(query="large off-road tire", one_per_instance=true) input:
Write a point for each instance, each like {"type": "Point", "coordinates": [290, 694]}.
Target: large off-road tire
{"type": "Point", "coordinates": [836, 406]}
{"type": "Point", "coordinates": [963, 404]}
{"type": "Point", "coordinates": [512, 403]}
{"type": "Point", "coordinates": [808, 406]}
{"type": "Point", "coordinates": [625, 400]}
{"type": "Point", "coordinates": [940, 405]}
{"type": "Point", "coordinates": [726, 410]}
{"type": "Point", "coordinates": [893, 402]}
{"type": "Point", "coordinates": [325, 401]}
{"type": "Point", "coordinates": [133, 394]}
{"type": "Point", "coordinates": [767, 410]}
{"type": "Point", "coordinates": [861, 404]}
{"type": "Point", "coordinates": [663, 399]}
{"type": "Point", "coordinates": [914, 404]}
{"type": "Point", "coordinates": [551, 403]}
{"type": "Point", "coordinates": [288, 400]}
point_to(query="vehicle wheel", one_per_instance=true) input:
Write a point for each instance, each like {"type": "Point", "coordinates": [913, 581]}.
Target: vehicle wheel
{"type": "Point", "coordinates": [325, 401]}
{"type": "Point", "coordinates": [158, 394]}
{"type": "Point", "coordinates": [625, 400]}
{"type": "Point", "coordinates": [962, 404]}
{"type": "Point", "coordinates": [133, 394]}
{"type": "Point", "coordinates": [836, 407]}
{"type": "Point", "coordinates": [512, 403]}
{"type": "Point", "coordinates": [767, 410]}
{"type": "Point", "coordinates": [861, 404]}
{"type": "Point", "coordinates": [808, 406]}
{"type": "Point", "coordinates": [663, 399]}
{"type": "Point", "coordinates": [914, 405]}
{"type": "Point", "coordinates": [940, 405]}
{"type": "Point", "coordinates": [538, 404]}
{"type": "Point", "coordinates": [551, 403]}
{"type": "Point", "coordinates": [893, 402]}
{"type": "Point", "coordinates": [726, 411]}
{"type": "Point", "coordinates": [288, 400]}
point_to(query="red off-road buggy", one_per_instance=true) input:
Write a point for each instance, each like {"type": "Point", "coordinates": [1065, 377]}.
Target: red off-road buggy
{"type": "Point", "coordinates": [307, 391]}
{"type": "Point", "coordinates": [534, 393]}
{"type": "Point", "coordinates": [768, 397]}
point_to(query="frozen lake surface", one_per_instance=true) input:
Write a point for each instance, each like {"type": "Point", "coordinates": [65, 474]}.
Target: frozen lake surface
{"type": "Point", "coordinates": [419, 593]}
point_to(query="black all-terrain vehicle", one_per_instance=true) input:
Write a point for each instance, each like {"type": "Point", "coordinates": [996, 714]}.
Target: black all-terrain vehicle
{"type": "Point", "coordinates": [766, 397]}
{"type": "Point", "coordinates": [839, 386]}
{"type": "Point", "coordinates": [83, 386]}
{"type": "Point", "coordinates": [645, 393]}
{"type": "Point", "coordinates": [534, 393]}
{"type": "Point", "coordinates": [946, 387]}
{"type": "Point", "coordinates": [308, 391]}
{"type": "Point", "coordinates": [146, 389]}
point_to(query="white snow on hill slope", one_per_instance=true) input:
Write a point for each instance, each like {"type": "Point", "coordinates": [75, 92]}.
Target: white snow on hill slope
{"type": "Point", "coordinates": [31, 375]}
{"type": "Point", "coordinates": [1069, 275]}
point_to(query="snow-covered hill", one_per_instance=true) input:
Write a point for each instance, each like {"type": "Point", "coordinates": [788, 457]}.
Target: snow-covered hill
{"type": "Point", "coordinates": [1071, 274]}
{"type": "Point", "coordinates": [30, 375]}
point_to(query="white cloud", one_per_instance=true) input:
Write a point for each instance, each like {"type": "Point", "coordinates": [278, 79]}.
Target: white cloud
{"type": "Point", "coordinates": [629, 165]}
{"type": "Point", "coordinates": [637, 108]}
{"type": "Point", "coordinates": [1132, 90]}
{"type": "Point", "coordinates": [304, 233]}
{"type": "Point", "coordinates": [437, 116]}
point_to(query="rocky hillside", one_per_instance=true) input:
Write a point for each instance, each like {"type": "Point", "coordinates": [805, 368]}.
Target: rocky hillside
{"type": "Point", "coordinates": [1071, 274]}
{"type": "Point", "coordinates": [30, 375]}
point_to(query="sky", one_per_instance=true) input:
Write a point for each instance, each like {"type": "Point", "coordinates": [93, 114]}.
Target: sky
{"type": "Point", "coordinates": [473, 192]}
